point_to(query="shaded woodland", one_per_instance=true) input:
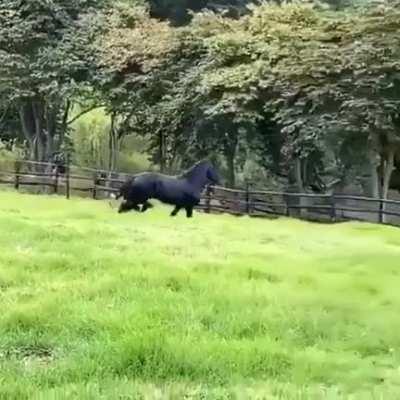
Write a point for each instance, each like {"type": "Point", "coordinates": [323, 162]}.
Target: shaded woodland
{"type": "Point", "coordinates": [300, 96]}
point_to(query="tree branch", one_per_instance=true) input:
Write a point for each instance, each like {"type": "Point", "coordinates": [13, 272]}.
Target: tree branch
{"type": "Point", "coordinates": [82, 113]}
{"type": "Point", "coordinates": [3, 117]}
{"type": "Point", "coordinates": [68, 107]}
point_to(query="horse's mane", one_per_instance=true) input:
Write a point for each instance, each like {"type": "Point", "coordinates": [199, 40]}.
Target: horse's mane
{"type": "Point", "coordinates": [185, 174]}
{"type": "Point", "coordinates": [189, 172]}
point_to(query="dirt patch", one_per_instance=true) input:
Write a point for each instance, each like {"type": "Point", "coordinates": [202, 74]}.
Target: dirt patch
{"type": "Point", "coordinates": [31, 356]}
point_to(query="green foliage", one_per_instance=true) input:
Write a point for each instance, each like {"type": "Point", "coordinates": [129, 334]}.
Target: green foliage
{"type": "Point", "coordinates": [9, 153]}
{"type": "Point", "coordinates": [308, 92]}
{"type": "Point", "coordinates": [284, 81]}
{"type": "Point", "coordinates": [133, 156]}
{"type": "Point", "coordinates": [90, 137]}
{"type": "Point", "coordinates": [343, 79]}
{"type": "Point", "coordinates": [42, 46]}
{"type": "Point", "coordinates": [45, 58]}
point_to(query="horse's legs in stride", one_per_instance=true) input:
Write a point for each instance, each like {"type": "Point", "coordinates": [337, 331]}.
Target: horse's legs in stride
{"type": "Point", "coordinates": [175, 211]}
{"type": "Point", "coordinates": [189, 212]}
{"type": "Point", "coordinates": [127, 206]}
{"type": "Point", "coordinates": [146, 205]}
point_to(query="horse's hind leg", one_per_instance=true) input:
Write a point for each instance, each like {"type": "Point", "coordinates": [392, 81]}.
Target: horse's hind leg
{"type": "Point", "coordinates": [146, 205]}
{"type": "Point", "coordinates": [175, 211]}
{"type": "Point", "coordinates": [189, 211]}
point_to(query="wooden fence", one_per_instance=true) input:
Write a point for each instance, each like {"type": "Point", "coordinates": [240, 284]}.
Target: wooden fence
{"type": "Point", "coordinates": [99, 184]}
{"type": "Point", "coordinates": [312, 207]}
{"type": "Point", "coordinates": [71, 180]}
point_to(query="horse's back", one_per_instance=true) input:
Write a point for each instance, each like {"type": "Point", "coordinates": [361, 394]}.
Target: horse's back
{"type": "Point", "coordinates": [141, 187]}
{"type": "Point", "coordinates": [167, 189]}
{"type": "Point", "coordinates": [177, 192]}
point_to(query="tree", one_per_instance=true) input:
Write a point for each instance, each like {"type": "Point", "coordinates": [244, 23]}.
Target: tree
{"type": "Point", "coordinates": [331, 74]}
{"type": "Point", "coordinates": [132, 54]}
{"type": "Point", "coordinates": [9, 124]}
{"type": "Point", "coordinates": [147, 78]}
{"type": "Point", "coordinates": [45, 59]}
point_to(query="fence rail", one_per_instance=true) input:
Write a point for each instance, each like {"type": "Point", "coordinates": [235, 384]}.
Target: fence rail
{"type": "Point", "coordinates": [99, 184]}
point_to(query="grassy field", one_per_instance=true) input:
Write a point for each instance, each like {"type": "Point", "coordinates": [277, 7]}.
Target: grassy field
{"type": "Point", "coordinates": [96, 305]}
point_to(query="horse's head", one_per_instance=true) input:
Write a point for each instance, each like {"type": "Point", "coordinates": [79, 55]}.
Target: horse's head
{"type": "Point", "coordinates": [212, 175]}
{"type": "Point", "coordinates": [202, 173]}
{"type": "Point", "coordinates": [124, 189]}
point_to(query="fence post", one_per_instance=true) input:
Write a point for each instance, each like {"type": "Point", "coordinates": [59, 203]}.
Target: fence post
{"type": "Point", "coordinates": [248, 198]}
{"type": "Point", "coordinates": [67, 173]}
{"type": "Point", "coordinates": [17, 170]}
{"type": "Point", "coordinates": [333, 208]}
{"type": "Point", "coordinates": [56, 181]}
{"type": "Point", "coordinates": [287, 205]}
{"type": "Point", "coordinates": [380, 211]}
{"type": "Point", "coordinates": [95, 180]}
{"type": "Point", "coordinates": [208, 200]}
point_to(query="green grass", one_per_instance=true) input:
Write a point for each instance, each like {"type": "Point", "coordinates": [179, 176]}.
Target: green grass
{"type": "Point", "coordinates": [96, 305]}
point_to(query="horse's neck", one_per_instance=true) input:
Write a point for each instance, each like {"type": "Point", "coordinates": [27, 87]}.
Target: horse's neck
{"type": "Point", "coordinates": [196, 176]}
{"type": "Point", "coordinates": [199, 181]}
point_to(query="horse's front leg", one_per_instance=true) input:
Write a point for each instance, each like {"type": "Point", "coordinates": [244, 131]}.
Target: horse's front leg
{"type": "Point", "coordinates": [189, 211]}
{"type": "Point", "coordinates": [127, 206]}
{"type": "Point", "coordinates": [146, 205]}
{"type": "Point", "coordinates": [175, 211]}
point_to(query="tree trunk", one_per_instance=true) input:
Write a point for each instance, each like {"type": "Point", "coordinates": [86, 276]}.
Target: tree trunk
{"type": "Point", "coordinates": [376, 161]}
{"type": "Point", "coordinates": [28, 129]}
{"type": "Point", "coordinates": [39, 126]}
{"type": "Point", "coordinates": [64, 121]}
{"type": "Point", "coordinates": [388, 167]}
{"type": "Point", "coordinates": [375, 179]}
{"type": "Point", "coordinates": [50, 132]}
{"type": "Point", "coordinates": [298, 169]}
{"type": "Point", "coordinates": [162, 151]}
{"type": "Point", "coordinates": [32, 123]}
{"type": "Point", "coordinates": [298, 175]}
{"type": "Point", "coordinates": [112, 144]}
{"type": "Point", "coordinates": [230, 148]}
{"type": "Point", "coordinates": [39, 134]}
{"type": "Point", "coordinates": [230, 160]}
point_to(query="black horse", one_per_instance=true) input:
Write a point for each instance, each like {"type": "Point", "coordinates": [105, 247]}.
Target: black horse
{"type": "Point", "coordinates": [182, 191]}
